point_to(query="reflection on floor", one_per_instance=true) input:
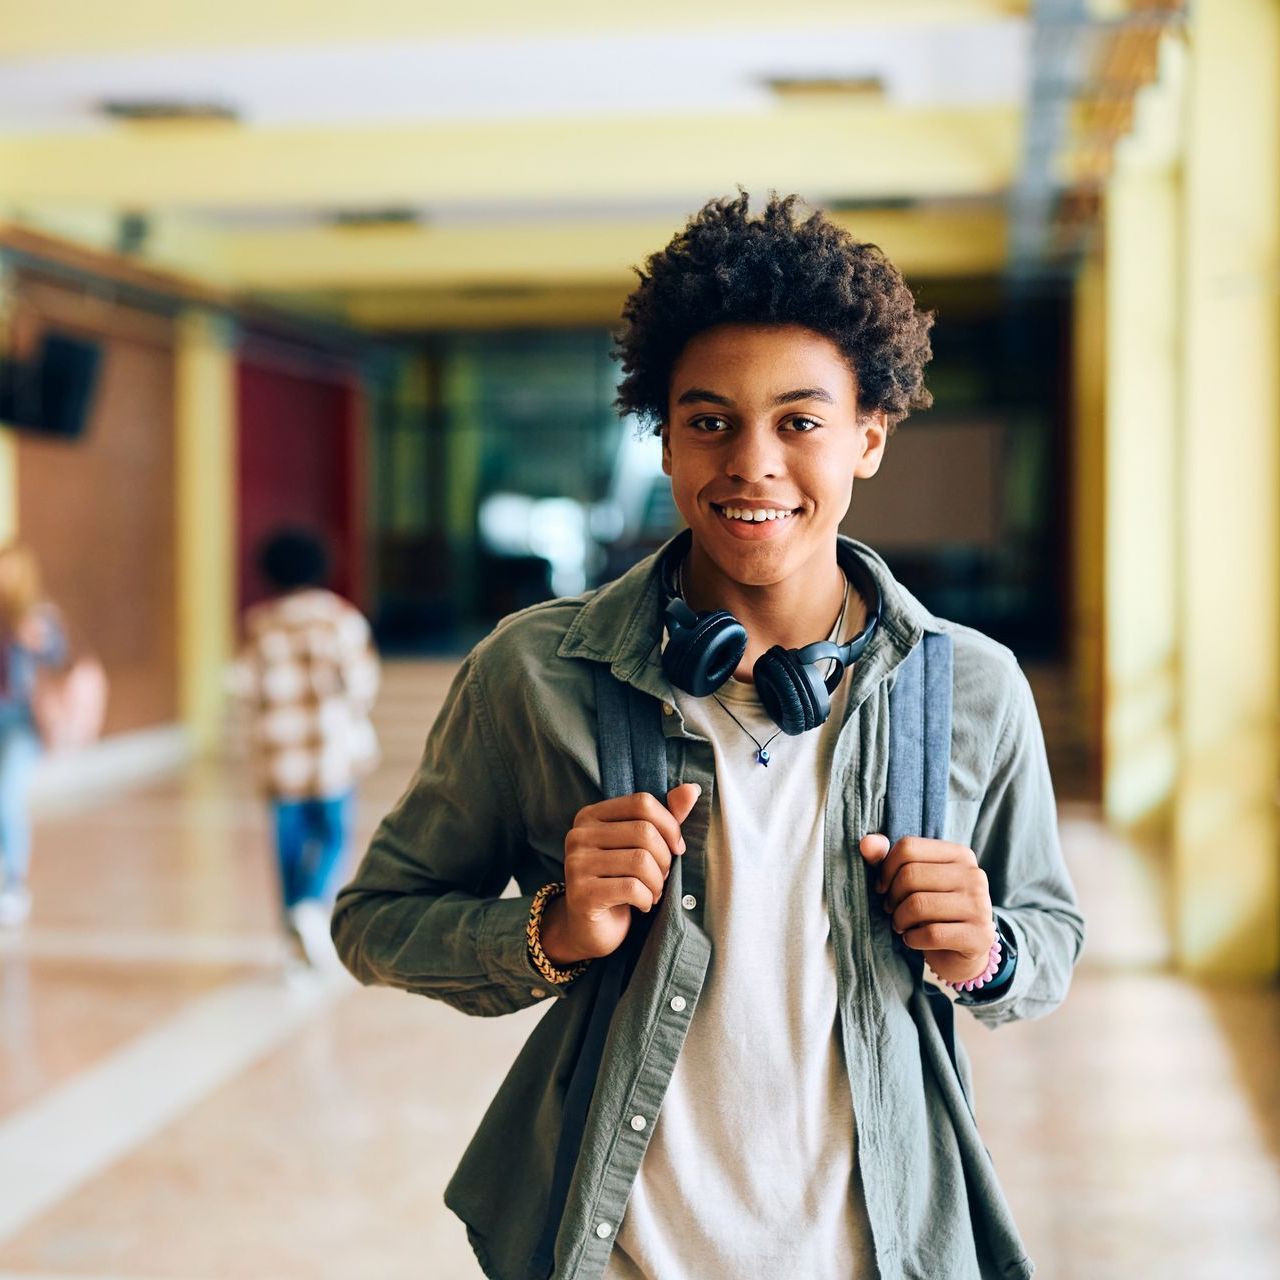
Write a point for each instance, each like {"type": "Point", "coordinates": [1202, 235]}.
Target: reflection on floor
{"type": "Point", "coordinates": [169, 1107]}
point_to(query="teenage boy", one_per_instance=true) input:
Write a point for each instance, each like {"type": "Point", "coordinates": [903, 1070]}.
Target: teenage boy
{"type": "Point", "coordinates": [763, 1106]}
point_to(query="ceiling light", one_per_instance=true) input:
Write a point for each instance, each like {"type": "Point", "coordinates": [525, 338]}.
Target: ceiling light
{"type": "Point", "coordinates": [150, 110]}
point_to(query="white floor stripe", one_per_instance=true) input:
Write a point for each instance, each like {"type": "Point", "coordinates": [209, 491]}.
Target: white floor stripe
{"type": "Point", "coordinates": [70, 781]}
{"type": "Point", "coordinates": [54, 1145]}
{"type": "Point", "coordinates": [105, 947]}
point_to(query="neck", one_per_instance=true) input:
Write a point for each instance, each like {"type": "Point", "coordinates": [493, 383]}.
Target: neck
{"type": "Point", "coordinates": [801, 608]}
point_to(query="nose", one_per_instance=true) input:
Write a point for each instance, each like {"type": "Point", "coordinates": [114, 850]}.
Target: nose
{"type": "Point", "coordinates": [754, 454]}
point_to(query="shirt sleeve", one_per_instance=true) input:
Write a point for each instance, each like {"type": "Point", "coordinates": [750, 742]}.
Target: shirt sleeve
{"type": "Point", "coordinates": [1017, 844]}
{"type": "Point", "coordinates": [424, 911]}
{"type": "Point", "coordinates": [358, 662]}
{"type": "Point", "coordinates": [50, 638]}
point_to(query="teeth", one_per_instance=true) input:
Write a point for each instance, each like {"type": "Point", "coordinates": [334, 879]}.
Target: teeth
{"type": "Point", "coordinates": [751, 514]}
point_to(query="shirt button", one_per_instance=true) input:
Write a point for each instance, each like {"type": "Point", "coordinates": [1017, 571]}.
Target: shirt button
{"type": "Point", "coordinates": [668, 709]}
{"type": "Point", "coordinates": [677, 1003]}
{"type": "Point", "coordinates": [638, 1123]}
{"type": "Point", "coordinates": [689, 901]}
{"type": "Point", "coordinates": [537, 992]}
{"type": "Point", "coordinates": [604, 1230]}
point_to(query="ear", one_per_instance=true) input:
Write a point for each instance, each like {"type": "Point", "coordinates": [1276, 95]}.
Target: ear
{"type": "Point", "coordinates": [666, 448]}
{"type": "Point", "coordinates": [873, 432]}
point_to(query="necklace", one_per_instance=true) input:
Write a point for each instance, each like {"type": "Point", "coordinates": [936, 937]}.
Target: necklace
{"type": "Point", "coordinates": [762, 748]}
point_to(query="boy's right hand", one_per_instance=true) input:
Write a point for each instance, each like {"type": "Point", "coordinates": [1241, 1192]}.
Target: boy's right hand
{"type": "Point", "coordinates": [616, 857]}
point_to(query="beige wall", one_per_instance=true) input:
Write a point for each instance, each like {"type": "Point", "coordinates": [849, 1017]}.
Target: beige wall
{"type": "Point", "coordinates": [99, 511]}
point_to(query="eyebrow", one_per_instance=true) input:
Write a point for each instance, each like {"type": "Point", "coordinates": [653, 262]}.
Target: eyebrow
{"type": "Point", "coordinates": [700, 395]}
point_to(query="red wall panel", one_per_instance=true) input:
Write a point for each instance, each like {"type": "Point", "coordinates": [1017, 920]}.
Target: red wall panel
{"type": "Point", "coordinates": [297, 448]}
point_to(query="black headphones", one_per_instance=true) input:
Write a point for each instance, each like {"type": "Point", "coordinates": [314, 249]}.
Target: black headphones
{"type": "Point", "coordinates": [703, 650]}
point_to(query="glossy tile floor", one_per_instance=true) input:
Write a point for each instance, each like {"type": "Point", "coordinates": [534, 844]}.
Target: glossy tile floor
{"type": "Point", "coordinates": [170, 1107]}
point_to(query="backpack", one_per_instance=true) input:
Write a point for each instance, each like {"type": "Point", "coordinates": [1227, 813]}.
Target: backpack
{"type": "Point", "coordinates": [68, 704]}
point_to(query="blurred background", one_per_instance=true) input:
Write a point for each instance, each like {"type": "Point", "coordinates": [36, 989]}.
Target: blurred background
{"type": "Point", "coordinates": [355, 268]}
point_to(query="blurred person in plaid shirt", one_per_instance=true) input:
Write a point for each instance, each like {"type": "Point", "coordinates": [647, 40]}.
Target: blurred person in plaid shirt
{"type": "Point", "coordinates": [309, 670]}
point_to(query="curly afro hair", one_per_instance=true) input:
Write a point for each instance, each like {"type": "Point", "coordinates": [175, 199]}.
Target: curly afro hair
{"type": "Point", "coordinates": [727, 267]}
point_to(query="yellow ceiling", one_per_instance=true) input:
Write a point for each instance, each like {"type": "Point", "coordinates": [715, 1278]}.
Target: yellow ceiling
{"type": "Point", "coordinates": [860, 150]}
{"type": "Point", "coordinates": [89, 26]}
{"type": "Point", "coordinates": [964, 241]}
{"type": "Point", "coordinates": [401, 278]}
{"type": "Point", "coordinates": [205, 185]}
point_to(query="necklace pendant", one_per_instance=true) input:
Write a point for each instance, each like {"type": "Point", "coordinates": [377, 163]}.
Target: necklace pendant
{"type": "Point", "coordinates": [763, 756]}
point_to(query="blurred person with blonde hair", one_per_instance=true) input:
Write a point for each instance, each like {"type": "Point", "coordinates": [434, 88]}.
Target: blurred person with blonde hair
{"type": "Point", "coordinates": [309, 668]}
{"type": "Point", "coordinates": [31, 636]}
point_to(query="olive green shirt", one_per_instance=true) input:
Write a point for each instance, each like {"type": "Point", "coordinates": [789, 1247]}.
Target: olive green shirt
{"type": "Point", "coordinates": [510, 761]}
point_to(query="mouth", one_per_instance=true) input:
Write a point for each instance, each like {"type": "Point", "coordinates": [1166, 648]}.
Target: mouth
{"type": "Point", "coordinates": [754, 522]}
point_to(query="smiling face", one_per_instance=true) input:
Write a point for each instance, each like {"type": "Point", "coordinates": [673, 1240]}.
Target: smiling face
{"type": "Point", "coordinates": [762, 442]}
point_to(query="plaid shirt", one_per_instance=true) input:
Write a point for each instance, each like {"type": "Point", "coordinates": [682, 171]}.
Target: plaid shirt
{"type": "Point", "coordinates": [309, 667]}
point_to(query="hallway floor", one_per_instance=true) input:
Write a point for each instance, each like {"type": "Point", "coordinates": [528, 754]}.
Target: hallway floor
{"type": "Point", "coordinates": [172, 1109]}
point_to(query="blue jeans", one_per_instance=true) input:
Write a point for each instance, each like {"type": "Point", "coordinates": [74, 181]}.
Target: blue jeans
{"type": "Point", "coordinates": [311, 837]}
{"type": "Point", "coordinates": [19, 751]}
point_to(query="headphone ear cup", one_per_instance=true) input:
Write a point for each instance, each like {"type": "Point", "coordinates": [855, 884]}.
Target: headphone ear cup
{"type": "Point", "coordinates": [793, 693]}
{"type": "Point", "coordinates": [700, 658]}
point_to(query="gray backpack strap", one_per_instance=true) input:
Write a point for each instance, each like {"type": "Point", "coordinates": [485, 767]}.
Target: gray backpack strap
{"type": "Point", "coordinates": [632, 750]}
{"type": "Point", "coordinates": [630, 744]}
{"type": "Point", "coordinates": [920, 742]}
{"type": "Point", "coordinates": [915, 802]}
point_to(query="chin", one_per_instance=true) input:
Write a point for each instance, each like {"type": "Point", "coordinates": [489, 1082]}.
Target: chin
{"type": "Point", "coordinates": [752, 565]}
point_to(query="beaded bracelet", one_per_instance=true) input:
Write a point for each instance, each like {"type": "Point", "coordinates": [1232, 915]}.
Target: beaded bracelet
{"type": "Point", "coordinates": [993, 967]}
{"type": "Point", "coordinates": [533, 932]}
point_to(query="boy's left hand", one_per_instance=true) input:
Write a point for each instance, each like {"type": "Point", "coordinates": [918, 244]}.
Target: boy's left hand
{"type": "Point", "coordinates": [939, 901]}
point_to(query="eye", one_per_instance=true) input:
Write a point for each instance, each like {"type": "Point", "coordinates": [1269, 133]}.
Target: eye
{"type": "Point", "coordinates": [803, 425]}
{"type": "Point", "coordinates": [710, 423]}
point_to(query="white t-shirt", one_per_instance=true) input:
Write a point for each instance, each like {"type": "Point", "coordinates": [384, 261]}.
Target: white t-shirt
{"type": "Point", "coordinates": [751, 1172]}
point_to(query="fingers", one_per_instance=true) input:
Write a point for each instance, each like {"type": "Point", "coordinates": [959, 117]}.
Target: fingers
{"type": "Point", "coordinates": [681, 799]}
{"type": "Point", "coordinates": [931, 889]}
{"type": "Point", "coordinates": [619, 851]}
{"type": "Point", "coordinates": [629, 842]}
{"type": "Point", "coordinates": [874, 848]}
{"type": "Point", "coordinates": [933, 908]}
{"type": "Point", "coordinates": [623, 865]}
{"type": "Point", "coordinates": [918, 849]}
{"type": "Point", "coordinates": [639, 807]}
{"type": "Point", "coordinates": [935, 877]}
{"type": "Point", "coordinates": [964, 939]}
{"type": "Point", "coordinates": [621, 835]}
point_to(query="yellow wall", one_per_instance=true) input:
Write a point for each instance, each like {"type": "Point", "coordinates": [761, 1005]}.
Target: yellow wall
{"type": "Point", "coordinates": [1227, 823]}
{"type": "Point", "coordinates": [1192, 477]}
{"type": "Point", "coordinates": [1142, 356]}
{"type": "Point", "coordinates": [8, 486]}
{"type": "Point", "coordinates": [205, 425]}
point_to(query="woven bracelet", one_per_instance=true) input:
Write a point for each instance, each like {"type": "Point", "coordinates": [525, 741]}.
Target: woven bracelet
{"type": "Point", "coordinates": [533, 931]}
